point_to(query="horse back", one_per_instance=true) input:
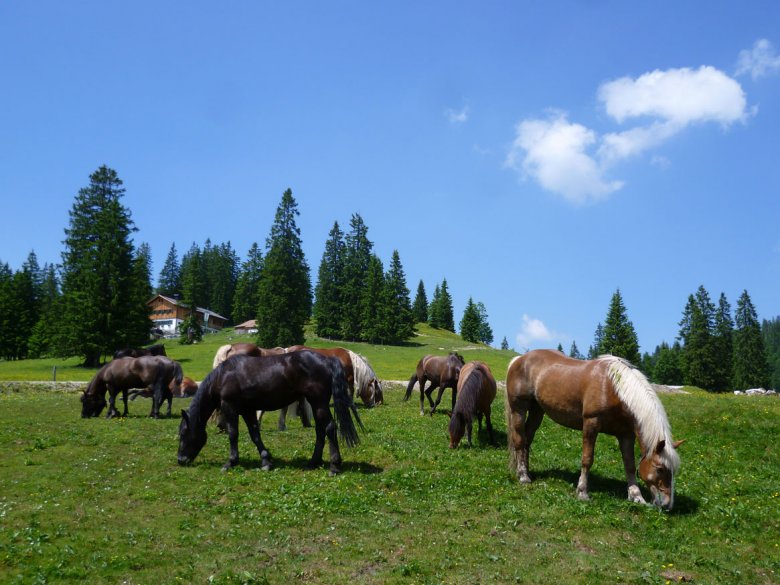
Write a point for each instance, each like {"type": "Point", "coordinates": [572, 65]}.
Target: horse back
{"type": "Point", "coordinates": [486, 391]}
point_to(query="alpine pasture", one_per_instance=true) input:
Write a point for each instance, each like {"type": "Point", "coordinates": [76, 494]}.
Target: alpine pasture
{"type": "Point", "coordinates": [104, 501]}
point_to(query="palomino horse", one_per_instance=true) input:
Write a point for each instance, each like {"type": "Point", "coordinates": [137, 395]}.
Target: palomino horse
{"type": "Point", "coordinates": [367, 385]}
{"type": "Point", "coordinates": [476, 391]}
{"type": "Point", "coordinates": [158, 349]}
{"type": "Point", "coordinates": [246, 384]}
{"type": "Point", "coordinates": [441, 371]}
{"type": "Point", "coordinates": [161, 373]}
{"type": "Point", "coordinates": [605, 395]}
{"type": "Point", "coordinates": [231, 349]}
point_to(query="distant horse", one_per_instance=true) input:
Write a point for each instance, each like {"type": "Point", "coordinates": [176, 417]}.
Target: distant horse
{"type": "Point", "coordinates": [476, 391]}
{"type": "Point", "coordinates": [604, 395]}
{"type": "Point", "coordinates": [244, 384]}
{"type": "Point", "coordinates": [367, 385]}
{"type": "Point", "coordinates": [120, 375]}
{"type": "Point", "coordinates": [158, 349]}
{"type": "Point", "coordinates": [441, 371]}
{"type": "Point", "coordinates": [231, 349]}
{"type": "Point", "coordinates": [187, 388]}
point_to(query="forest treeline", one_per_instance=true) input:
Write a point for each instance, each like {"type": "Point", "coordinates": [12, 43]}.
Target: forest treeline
{"type": "Point", "coordinates": [95, 300]}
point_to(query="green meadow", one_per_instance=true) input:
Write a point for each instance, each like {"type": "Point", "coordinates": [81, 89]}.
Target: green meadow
{"type": "Point", "coordinates": [103, 501]}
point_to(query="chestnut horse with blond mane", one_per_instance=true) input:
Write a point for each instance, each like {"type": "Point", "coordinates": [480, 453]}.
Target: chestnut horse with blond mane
{"type": "Point", "coordinates": [605, 395]}
{"type": "Point", "coordinates": [476, 392]}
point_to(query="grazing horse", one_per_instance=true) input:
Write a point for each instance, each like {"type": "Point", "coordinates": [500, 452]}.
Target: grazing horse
{"type": "Point", "coordinates": [229, 350]}
{"type": "Point", "coordinates": [441, 371]}
{"type": "Point", "coordinates": [476, 391]}
{"type": "Point", "coordinates": [367, 385]}
{"type": "Point", "coordinates": [187, 388]}
{"type": "Point", "coordinates": [158, 349]}
{"type": "Point", "coordinates": [605, 395]}
{"type": "Point", "coordinates": [246, 384]}
{"type": "Point", "coordinates": [120, 375]}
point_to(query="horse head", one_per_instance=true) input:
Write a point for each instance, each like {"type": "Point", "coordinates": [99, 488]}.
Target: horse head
{"type": "Point", "coordinates": [92, 404]}
{"type": "Point", "coordinates": [379, 396]}
{"type": "Point", "coordinates": [657, 472]}
{"type": "Point", "coordinates": [192, 438]}
{"type": "Point", "coordinates": [457, 428]}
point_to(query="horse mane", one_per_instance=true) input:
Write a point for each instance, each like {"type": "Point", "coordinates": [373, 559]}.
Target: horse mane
{"type": "Point", "coordinates": [468, 392]}
{"type": "Point", "coordinates": [636, 393]}
{"type": "Point", "coordinates": [362, 370]}
{"type": "Point", "coordinates": [202, 396]}
{"type": "Point", "coordinates": [221, 355]}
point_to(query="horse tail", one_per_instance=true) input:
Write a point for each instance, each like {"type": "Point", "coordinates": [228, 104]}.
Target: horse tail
{"type": "Point", "coordinates": [513, 454]}
{"type": "Point", "coordinates": [410, 386]}
{"type": "Point", "coordinates": [221, 355]}
{"type": "Point", "coordinates": [344, 405]}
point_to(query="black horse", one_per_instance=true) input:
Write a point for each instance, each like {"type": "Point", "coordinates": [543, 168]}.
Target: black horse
{"type": "Point", "coordinates": [135, 352]}
{"type": "Point", "coordinates": [160, 373]}
{"type": "Point", "coordinates": [245, 384]}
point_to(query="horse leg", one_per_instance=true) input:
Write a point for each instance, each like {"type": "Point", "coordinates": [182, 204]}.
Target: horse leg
{"type": "Point", "coordinates": [253, 426]}
{"type": "Point", "coordinates": [590, 432]}
{"type": "Point", "coordinates": [454, 395]}
{"type": "Point", "coordinates": [282, 425]}
{"type": "Point", "coordinates": [333, 443]}
{"type": "Point", "coordinates": [469, 427]}
{"type": "Point", "coordinates": [321, 420]}
{"type": "Point", "coordinates": [423, 393]}
{"type": "Point", "coordinates": [124, 399]}
{"type": "Point", "coordinates": [435, 405]}
{"type": "Point", "coordinates": [626, 443]}
{"type": "Point", "coordinates": [111, 402]}
{"type": "Point", "coordinates": [489, 428]}
{"type": "Point", "coordinates": [524, 420]}
{"type": "Point", "coordinates": [231, 422]}
{"type": "Point", "coordinates": [305, 412]}
{"type": "Point", "coordinates": [170, 403]}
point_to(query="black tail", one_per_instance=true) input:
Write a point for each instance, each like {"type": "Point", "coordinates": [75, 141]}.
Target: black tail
{"type": "Point", "coordinates": [344, 407]}
{"type": "Point", "coordinates": [412, 382]}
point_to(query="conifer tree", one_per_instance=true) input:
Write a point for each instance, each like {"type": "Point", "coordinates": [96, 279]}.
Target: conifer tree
{"type": "Point", "coordinates": [44, 331]}
{"type": "Point", "coordinates": [420, 305]}
{"type": "Point", "coordinates": [723, 345]}
{"type": "Point", "coordinates": [434, 310]}
{"type": "Point", "coordinates": [328, 307]}
{"type": "Point", "coordinates": [504, 344]}
{"type": "Point", "coordinates": [97, 270]}
{"type": "Point", "coordinates": [770, 331]}
{"type": "Point", "coordinates": [169, 280]}
{"type": "Point", "coordinates": [374, 326]}
{"type": "Point", "coordinates": [445, 308]}
{"type": "Point", "coordinates": [574, 351]}
{"type": "Point", "coordinates": [667, 367]}
{"type": "Point", "coordinates": [594, 350]}
{"type": "Point", "coordinates": [136, 329]}
{"type": "Point", "coordinates": [469, 323]}
{"type": "Point", "coordinates": [245, 299]}
{"type": "Point", "coordinates": [751, 369]}
{"type": "Point", "coordinates": [220, 265]}
{"type": "Point", "coordinates": [285, 295]}
{"type": "Point", "coordinates": [696, 333]}
{"type": "Point", "coordinates": [619, 336]}
{"type": "Point", "coordinates": [356, 262]}
{"type": "Point", "coordinates": [485, 331]}
{"type": "Point", "coordinates": [193, 284]}
{"type": "Point", "coordinates": [398, 319]}
{"type": "Point", "coordinates": [6, 312]}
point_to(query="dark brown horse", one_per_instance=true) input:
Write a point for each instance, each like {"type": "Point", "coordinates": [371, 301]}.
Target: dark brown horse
{"type": "Point", "coordinates": [476, 392]}
{"type": "Point", "coordinates": [606, 395]}
{"type": "Point", "coordinates": [337, 352]}
{"type": "Point", "coordinates": [442, 372]}
{"type": "Point", "coordinates": [245, 384]}
{"type": "Point", "coordinates": [158, 349]}
{"type": "Point", "coordinates": [160, 373]}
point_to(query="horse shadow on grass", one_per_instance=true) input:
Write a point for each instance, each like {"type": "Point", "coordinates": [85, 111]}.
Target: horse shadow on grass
{"type": "Point", "coordinates": [683, 505]}
{"type": "Point", "coordinates": [302, 463]}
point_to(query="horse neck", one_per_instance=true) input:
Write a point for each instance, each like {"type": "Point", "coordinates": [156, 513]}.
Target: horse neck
{"type": "Point", "coordinates": [201, 407]}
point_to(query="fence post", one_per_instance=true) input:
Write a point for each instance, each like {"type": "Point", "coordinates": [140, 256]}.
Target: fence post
{"type": "Point", "coordinates": [54, 374]}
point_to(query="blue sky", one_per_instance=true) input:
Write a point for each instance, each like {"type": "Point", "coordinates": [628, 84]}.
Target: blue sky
{"type": "Point", "coordinates": [537, 155]}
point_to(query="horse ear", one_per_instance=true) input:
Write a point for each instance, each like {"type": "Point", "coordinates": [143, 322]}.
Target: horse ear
{"type": "Point", "coordinates": [660, 447]}
{"type": "Point", "coordinates": [678, 443]}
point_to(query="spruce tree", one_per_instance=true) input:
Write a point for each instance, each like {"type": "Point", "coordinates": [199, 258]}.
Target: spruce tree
{"type": "Point", "coordinates": [398, 318]}
{"type": "Point", "coordinates": [619, 337]}
{"type": "Point", "coordinates": [169, 280]}
{"type": "Point", "coordinates": [420, 305]}
{"type": "Point", "coordinates": [193, 285]}
{"type": "Point", "coordinates": [751, 369]}
{"type": "Point", "coordinates": [220, 265]}
{"type": "Point", "coordinates": [469, 323]}
{"type": "Point", "coordinates": [574, 351]}
{"type": "Point", "coordinates": [284, 291]}
{"type": "Point", "coordinates": [356, 262]}
{"type": "Point", "coordinates": [504, 344]}
{"type": "Point", "coordinates": [245, 299]}
{"type": "Point", "coordinates": [594, 350]}
{"type": "Point", "coordinates": [696, 333]}
{"type": "Point", "coordinates": [723, 345]}
{"type": "Point", "coordinates": [137, 325]}
{"type": "Point", "coordinates": [667, 368]}
{"type": "Point", "coordinates": [44, 332]}
{"type": "Point", "coordinates": [374, 322]}
{"type": "Point", "coordinates": [770, 331]}
{"type": "Point", "coordinates": [6, 312]}
{"type": "Point", "coordinates": [97, 270]}
{"type": "Point", "coordinates": [445, 308]}
{"type": "Point", "coordinates": [485, 331]}
{"type": "Point", "coordinates": [434, 309]}
{"type": "Point", "coordinates": [328, 310]}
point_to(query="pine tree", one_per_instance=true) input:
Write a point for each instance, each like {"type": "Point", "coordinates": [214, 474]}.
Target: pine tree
{"type": "Point", "coordinates": [770, 331]}
{"type": "Point", "coordinates": [667, 368]}
{"type": "Point", "coordinates": [137, 324]}
{"type": "Point", "coordinates": [97, 270]}
{"type": "Point", "coordinates": [374, 325]}
{"type": "Point", "coordinates": [751, 369]}
{"type": "Point", "coordinates": [420, 305]}
{"type": "Point", "coordinates": [285, 295]}
{"type": "Point", "coordinates": [169, 280]}
{"type": "Point", "coordinates": [485, 331]}
{"type": "Point", "coordinates": [193, 285]}
{"type": "Point", "coordinates": [504, 344]}
{"type": "Point", "coordinates": [44, 333]}
{"type": "Point", "coordinates": [6, 312]}
{"type": "Point", "coordinates": [445, 307]}
{"type": "Point", "coordinates": [434, 310]}
{"type": "Point", "coordinates": [619, 336]}
{"type": "Point", "coordinates": [594, 350]}
{"type": "Point", "coordinates": [328, 310]}
{"type": "Point", "coordinates": [723, 345]}
{"type": "Point", "coordinates": [574, 351]}
{"type": "Point", "coordinates": [245, 299]}
{"type": "Point", "coordinates": [356, 262]}
{"type": "Point", "coordinates": [398, 318]}
{"type": "Point", "coordinates": [469, 323]}
{"type": "Point", "coordinates": [696, 333]}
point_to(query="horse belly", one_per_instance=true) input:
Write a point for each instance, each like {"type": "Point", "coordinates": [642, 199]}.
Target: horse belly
{"type": "Point", "coordinates": [565, 418]}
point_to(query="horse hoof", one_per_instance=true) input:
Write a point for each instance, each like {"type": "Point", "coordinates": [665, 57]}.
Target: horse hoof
{"type": "Point", "coordinates": [265, 467]}
{"type": "Point", "coordinates": [583, 496]}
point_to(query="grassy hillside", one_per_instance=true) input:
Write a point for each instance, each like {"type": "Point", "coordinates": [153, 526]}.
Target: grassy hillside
{"type": "Point", "coordinates": [389, 362]}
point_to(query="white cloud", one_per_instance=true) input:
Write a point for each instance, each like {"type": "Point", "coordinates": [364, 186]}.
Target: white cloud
{"type": "Point", "coordinates": [572, 160]}
{"type": "Point", "coordinates": [554, 153]}
{"type": "Point", "coordinates": [533, 331]}
{"type": "Point", "coordinates": [457, 117]}
{"type": "Point", "coordinates": [760, 61]}
{"type": "Point", "coordinates": [677, 96]}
